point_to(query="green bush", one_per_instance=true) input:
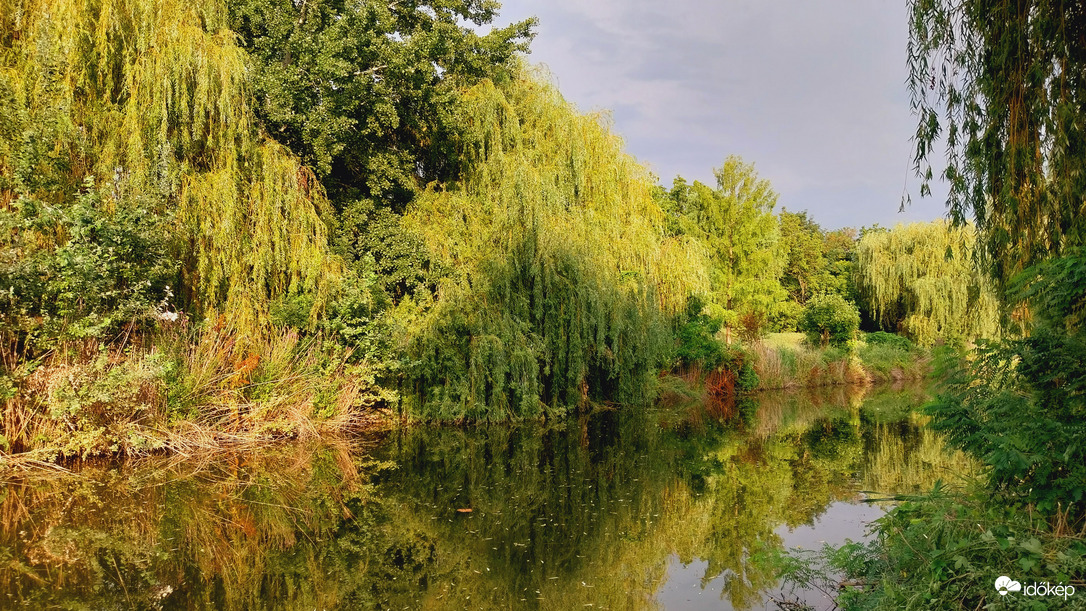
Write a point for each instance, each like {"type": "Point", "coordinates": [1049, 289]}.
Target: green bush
{"type": "Point", "coordinates": [82, 268]}
{"type": "Point", "coordinates": [373, 239]}
{"type": "Point", "coordinates": [741, 363]}
{"type": "Point", "coordinates": [890, 361]}
{"type": "Point", "coordinates": [946, 552]}
{"type": "Point", "coordinates": [697, 345]}
{"type": "Point", "coordinates": [882, 338]}
{"type": "Point", "coordinates": [785, 316]}
{"type": "Point", "coordinates": [829, 320]}
{"type": "Point", "coordinates": [1020, 406]}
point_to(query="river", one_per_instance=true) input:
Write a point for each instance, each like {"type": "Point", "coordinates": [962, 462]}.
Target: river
{"type": "Point", "coordinates": [674, 507]}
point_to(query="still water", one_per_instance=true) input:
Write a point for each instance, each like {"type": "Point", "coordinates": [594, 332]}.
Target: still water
{"type": "Point", "coordinates": [667, 508]}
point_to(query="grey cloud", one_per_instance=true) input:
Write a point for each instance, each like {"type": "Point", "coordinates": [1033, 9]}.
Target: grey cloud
{"type": "Point", "coordinates": [812, 92]}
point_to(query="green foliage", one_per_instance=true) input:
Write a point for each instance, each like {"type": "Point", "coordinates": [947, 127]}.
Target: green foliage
{"type": "Point", "coordinates": [367, 93]}
{"type": "Point", "coordinates": [560, 278]}
{"type": "Point", "coordinates": [75, 269]}
{"type": "Point", "coordinates": [1003, 82]}
{"type": "Point", "coordinates": [892, 340]}
{"type": "Point", "coordinates": [920, 280]}
{"type": "Point", "coordinates": [946, 551]}
{"type": "Point", "coordinates": [802, 239]}
{"type": "Point", "coordinates": [800, 364]}
{"type": "Point", "coordinates": [358, 317]}
{"type": "Point", "coordinates": [1020, 407]}
{"type": "Point", "coordinates": [817, 263]}
{"type": "Point", "coordinates": [552, 332]}
{"type": "Point", "coordinates": [785, 317]}
{"type": "Point", "coordinates": [735, 224]}
{"type": "Point", "coordinates": [696, 336]}
{"type": "Point", "coordinates": [372, 238]}
{"type": "Point", "coordinates": [840, 248]}
{"type": "Point", "coordinates": [152, 99]}
{"type": "Point", "coordinates": [741, 363]}
{"type": "Point", "coordinates": [102, 404]}
{"type": "Point", "coordinates": [830, 320]}
{"type": "Point", "coordinates": [892, 362]}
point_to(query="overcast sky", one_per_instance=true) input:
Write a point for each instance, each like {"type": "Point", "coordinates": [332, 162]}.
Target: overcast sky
{"type": "Point", "coordinates": [813, 93]}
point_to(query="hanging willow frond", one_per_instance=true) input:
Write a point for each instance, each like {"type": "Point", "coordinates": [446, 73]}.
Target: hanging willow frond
{"type": "Point", "coordinates": [150, 97]}
{"type": "Point", "coordinates": [1001, 83]}
{"type": "Point", "coordinates": [921, 279]}
{"type": "Point", "coordinates": [563, 273]}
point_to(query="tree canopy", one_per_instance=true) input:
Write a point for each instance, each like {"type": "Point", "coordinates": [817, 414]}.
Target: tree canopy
{"type": "Point", "coordinates": [367, 93]}
{"type": "Point", "coordinates": [735, 225]}
{"type": "Point", "coordinates": [805, 269]}
{"type": "Point", "coordinates": [151, 100]}
{"type": "Point", "coordinates": [561, 273]}
{"type": "Point", "coordinates": [1004, 82]}
{"type": "Point", "coordinates": [920, 280]}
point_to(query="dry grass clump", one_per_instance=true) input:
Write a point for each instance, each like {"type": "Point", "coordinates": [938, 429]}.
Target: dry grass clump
{"type": "Point", "coordinates": [793, 366]}
{"type": "Point", "coordinates": [785, 360]}
{"type": "Point", "coordinates": [189, 391]}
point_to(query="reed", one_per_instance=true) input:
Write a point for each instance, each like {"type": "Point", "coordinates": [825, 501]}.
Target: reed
{"type": "Point", "coordinates": [190, 391]}
{"type": "Point", "coordinates": [787, 362]}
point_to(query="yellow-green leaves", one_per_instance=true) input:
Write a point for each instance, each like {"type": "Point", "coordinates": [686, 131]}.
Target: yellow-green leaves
{"type": "Point", "coordinates": [151, 98]}
{"type": "Point", "coordinates": [560, 267]}
{"type": "Point", "coordinates": [735, 225]}
{"type": "Point", "coordinates": [920, 279]}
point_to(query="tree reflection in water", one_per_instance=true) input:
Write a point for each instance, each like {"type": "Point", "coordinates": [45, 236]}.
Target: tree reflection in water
{"type": "Point", "coordinates": [584, 512]}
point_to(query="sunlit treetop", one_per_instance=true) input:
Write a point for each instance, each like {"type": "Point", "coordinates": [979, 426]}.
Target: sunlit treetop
{"type": "Point", "coordinates": [367, 92]}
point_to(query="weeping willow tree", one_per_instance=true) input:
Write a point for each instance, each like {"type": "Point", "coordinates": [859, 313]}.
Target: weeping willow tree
{"type": "Point", "coordinates": [920, 279]}
{"type": "Point", "coordinates": [149, 98]}
{"type": "Point", "coordinates": [1003, 83]}
{"type": "Point", "coordinates": [562, 278]}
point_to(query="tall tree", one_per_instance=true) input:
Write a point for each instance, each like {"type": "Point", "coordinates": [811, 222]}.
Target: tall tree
{"type": "Point", "coordinates": [1005, 82]}
{"type": "Point", "coordinates": [805, 267]}
{"type": "Point", "coordinates": [367, 92]}
{"type": "Point", "coordinates": [735, 224]}
{"type": "Point", "coordinates": [150, 98]}
{"type": "Point", "coordinates": [920, 280]}
{"type": "Point", "coordinates": [561, 275]}
{"type": "Point", "coordinates": [840, 248]}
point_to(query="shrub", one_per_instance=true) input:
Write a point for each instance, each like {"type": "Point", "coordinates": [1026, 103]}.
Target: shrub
{"type": "Point", "coordinates": [942, 551]}
{"type": "Point", "coordinates": [696, 338]}
{"type": "Point", "coordinates": [751, 326]}
{"type": "Point", "coordinates": [893, 340]}
{"type": "Point", "coordinates": [785, 316]}
{"type": "Point", "coordinates": [1020, 406]}
{"type": "Point", "coordinates": [75, 270]}
{"type": "Point", "coordinates": [829, 320]}
{"type": "Point", "coordinates": [374, 239]}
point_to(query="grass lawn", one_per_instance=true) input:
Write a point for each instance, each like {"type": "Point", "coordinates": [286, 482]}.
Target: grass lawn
{"type": "Point", "coordinates": [793, 340]}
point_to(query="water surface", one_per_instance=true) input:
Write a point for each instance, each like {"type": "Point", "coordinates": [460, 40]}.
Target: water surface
{"type": "Point", "coordinates": [667, 508]}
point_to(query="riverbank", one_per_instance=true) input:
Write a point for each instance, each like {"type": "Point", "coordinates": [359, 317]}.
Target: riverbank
{"type": "Point", "coordinates": [785, 360]}
{"type": "Point", "coordinates": [951, 548]}
{"type": "Point", "coordinates": [186, 392]}
{"type": "Point", "coordinates": [189, 392]}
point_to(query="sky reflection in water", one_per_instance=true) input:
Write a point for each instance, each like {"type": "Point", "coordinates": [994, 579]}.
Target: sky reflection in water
{"type": "Point", "coordinates": [664, 508]}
